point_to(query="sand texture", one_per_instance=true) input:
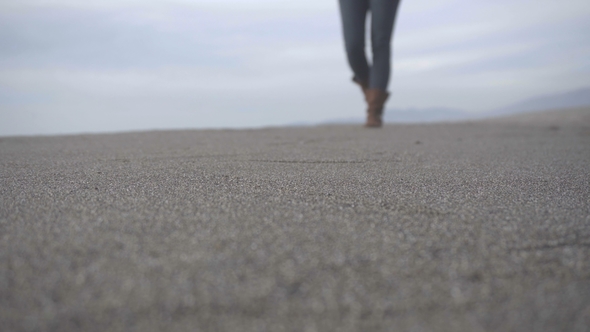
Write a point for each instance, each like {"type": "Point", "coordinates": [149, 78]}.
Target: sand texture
{"type": "Point", "coordinates": [476, 226]}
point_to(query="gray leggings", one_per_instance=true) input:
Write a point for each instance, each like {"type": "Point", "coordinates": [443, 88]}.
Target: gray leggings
{"type": "Point", "coordinates": [354, 15]}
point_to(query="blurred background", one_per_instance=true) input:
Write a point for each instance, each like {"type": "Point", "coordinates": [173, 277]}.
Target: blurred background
{"type": "Point", "coordinates": [71, 66]}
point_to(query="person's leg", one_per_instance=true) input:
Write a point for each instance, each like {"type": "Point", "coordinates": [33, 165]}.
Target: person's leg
{"type": "Point", "coordinates": [354, 15]}
{"type": "Point", "coordinates": [383, 13]}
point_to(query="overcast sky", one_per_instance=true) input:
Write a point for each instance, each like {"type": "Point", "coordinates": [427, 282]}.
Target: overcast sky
{"type": "Point", "coordinates": [71, 66]}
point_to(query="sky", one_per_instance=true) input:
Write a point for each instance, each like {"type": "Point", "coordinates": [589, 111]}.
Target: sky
{"type": "Point", "coordinates": [71, 66]}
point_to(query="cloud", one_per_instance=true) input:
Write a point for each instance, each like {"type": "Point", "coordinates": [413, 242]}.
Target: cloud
{"type": "Point", "coordinates": [231, 63]}
{"type": "Point", "coordinates": [249, 6]}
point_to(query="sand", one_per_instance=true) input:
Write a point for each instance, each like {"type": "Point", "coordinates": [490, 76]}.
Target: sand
{"type": "Point", "coordinates": [475, 226]}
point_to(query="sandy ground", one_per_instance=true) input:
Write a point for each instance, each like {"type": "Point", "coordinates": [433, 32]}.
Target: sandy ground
{"type": "Point", "coordinates": [480, 226]}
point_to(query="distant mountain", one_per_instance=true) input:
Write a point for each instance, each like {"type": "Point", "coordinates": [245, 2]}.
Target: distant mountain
{"type": "Point", "coordinates": [577, 98]}
{"type": "Point", "coordinates": [571, 99]}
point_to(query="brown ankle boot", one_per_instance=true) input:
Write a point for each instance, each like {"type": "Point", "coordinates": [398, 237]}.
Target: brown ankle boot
{"type": "Point", "coordinates": [376, 99]}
